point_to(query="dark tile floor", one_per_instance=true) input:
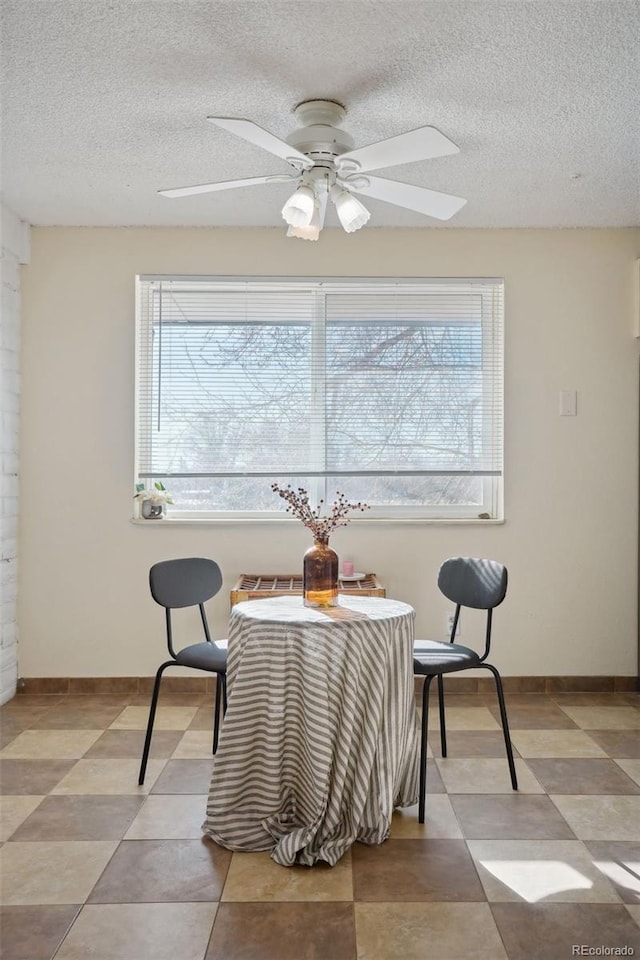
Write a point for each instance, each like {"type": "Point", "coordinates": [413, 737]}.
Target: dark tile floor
{"type": "Point", "coordinates": [96, 868]}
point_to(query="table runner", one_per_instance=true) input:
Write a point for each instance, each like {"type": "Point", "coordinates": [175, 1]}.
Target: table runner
{"type": "Point", "coordinates": [320, 740]}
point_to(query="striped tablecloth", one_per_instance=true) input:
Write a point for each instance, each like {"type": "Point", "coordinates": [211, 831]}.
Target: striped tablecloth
{"type": "Point", "coordinates": [320, 740]}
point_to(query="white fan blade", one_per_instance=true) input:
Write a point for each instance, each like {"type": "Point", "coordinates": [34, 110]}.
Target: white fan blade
{"type": "Point", "coordinates": [421, 144]}
{"type": "Point", "coordinates": [442, 206]}
{"type": "Point", "coordinates": [262, 138]}
{"type": "Point", "coordinates": [225, 185]}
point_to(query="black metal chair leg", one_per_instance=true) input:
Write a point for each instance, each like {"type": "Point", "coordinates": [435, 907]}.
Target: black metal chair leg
{"type": "Point", "coordinates": [443, 729]}
{"type": "Point", "coordinates": [423, 748]}
{"type": "Point", "coordinates": [220, 704]}
{"type": "Point", "coordinates": [217, 703]}
{"type": "Point", "coordinates": [505, 723]}
{"type": "Point", "coordinates": [152, 716]}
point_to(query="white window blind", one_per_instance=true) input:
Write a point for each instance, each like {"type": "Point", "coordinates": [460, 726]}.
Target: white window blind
{"type": "Point", "coordinates": [389, 391]}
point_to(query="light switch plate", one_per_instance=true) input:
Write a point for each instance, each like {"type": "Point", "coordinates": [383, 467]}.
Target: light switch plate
{"type": "Point", "coordinates": [568, 403]}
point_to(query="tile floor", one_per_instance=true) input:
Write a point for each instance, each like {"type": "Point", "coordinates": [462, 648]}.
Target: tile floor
{"type": "Point", "coordinates": [94, 867]}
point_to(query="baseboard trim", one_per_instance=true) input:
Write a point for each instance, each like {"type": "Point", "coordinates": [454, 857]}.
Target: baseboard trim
{"type": "Point", "coordinates": [548, 685]}
{"type": "Point", "coordinates": [123, 686]}
{"type": "Point", "coordinates": [142, 686]}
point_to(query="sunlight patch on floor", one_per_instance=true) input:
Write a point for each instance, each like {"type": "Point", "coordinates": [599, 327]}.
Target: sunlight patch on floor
{"type": "Point", "coordinates": [535, 880]}
{"type": "Point", "coordinates": [625, 873]}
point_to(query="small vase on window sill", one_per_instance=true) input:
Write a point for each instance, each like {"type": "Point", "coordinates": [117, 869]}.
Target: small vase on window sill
{"type": "Point", "coordinates": [152, 503]}
{"type": "Point", "coordinates": [152, 511]}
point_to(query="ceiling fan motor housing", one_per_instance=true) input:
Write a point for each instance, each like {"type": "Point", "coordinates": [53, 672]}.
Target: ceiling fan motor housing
{"type": "Point", "coordinates": [319, 136]}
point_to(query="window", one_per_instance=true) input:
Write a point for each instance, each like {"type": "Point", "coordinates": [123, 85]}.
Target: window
{"type": "Point", "coordinates": [387, 390]}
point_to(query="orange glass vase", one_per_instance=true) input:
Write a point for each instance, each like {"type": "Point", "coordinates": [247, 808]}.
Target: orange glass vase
{"type": "Point", "coordinates": [320, 576]}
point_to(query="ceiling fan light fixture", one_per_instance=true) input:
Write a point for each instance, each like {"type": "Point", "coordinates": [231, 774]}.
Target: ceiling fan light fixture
{"type": "Point", "coordinates": [299, 208]}
{"type": "Point", "coordinates": [304, 233]}
{"type": "Point", "coordinates": [309, 232]}
{"type": "Point", "coordinates": [352, 214]}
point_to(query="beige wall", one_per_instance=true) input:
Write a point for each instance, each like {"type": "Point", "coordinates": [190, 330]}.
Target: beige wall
{"type": "Point", "coordinates": [571, 494]}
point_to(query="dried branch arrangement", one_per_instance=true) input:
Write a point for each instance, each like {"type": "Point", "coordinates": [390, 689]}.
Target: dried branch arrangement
{"type": "Point", "coordinates": [298, 504]}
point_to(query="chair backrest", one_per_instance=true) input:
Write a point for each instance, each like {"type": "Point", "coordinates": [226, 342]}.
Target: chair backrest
{"type": "Point", "coordinates": [473, 582]}
{"type": "Point", "coordinates": [185, 582]}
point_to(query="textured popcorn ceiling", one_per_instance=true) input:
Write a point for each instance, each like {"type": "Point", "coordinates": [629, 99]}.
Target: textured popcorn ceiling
{"type": "Point", "coordinates": [104, 103]}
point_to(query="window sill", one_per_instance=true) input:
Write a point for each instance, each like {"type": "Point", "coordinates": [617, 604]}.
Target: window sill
{"type": "Point", "coordinates": [269, 521]}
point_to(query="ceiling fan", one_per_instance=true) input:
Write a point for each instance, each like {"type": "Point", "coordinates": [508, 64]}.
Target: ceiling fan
{"type": "Point", "coordinates": [327, 167]}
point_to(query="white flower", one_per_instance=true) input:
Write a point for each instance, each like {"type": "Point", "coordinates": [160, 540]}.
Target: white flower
{"type": "Point", "coordinates": [157, 494]}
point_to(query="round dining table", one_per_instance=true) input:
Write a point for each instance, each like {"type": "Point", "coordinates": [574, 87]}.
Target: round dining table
{"type": "Point", "coordinates": [320, 740]}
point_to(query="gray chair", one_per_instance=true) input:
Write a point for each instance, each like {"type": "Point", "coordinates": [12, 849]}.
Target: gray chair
{"type": "Point", "coordinates": [188, 583]}
{"type": "Point", "coordinates": [468, 582]}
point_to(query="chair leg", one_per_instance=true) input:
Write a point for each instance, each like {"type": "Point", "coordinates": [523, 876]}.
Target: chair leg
{"type": "Point", "coordinates": [443, 729]}
{"type": "Point", "coordinates": [505, 723]}
{"type": "Point", "coordinates": [220, 703]}
{"type": "Point", "coordinates": [423, 747]}
{"type": "Point", "coordinates": [216, 712]}
{"type": "Point", "coordinates": [152, 716]}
